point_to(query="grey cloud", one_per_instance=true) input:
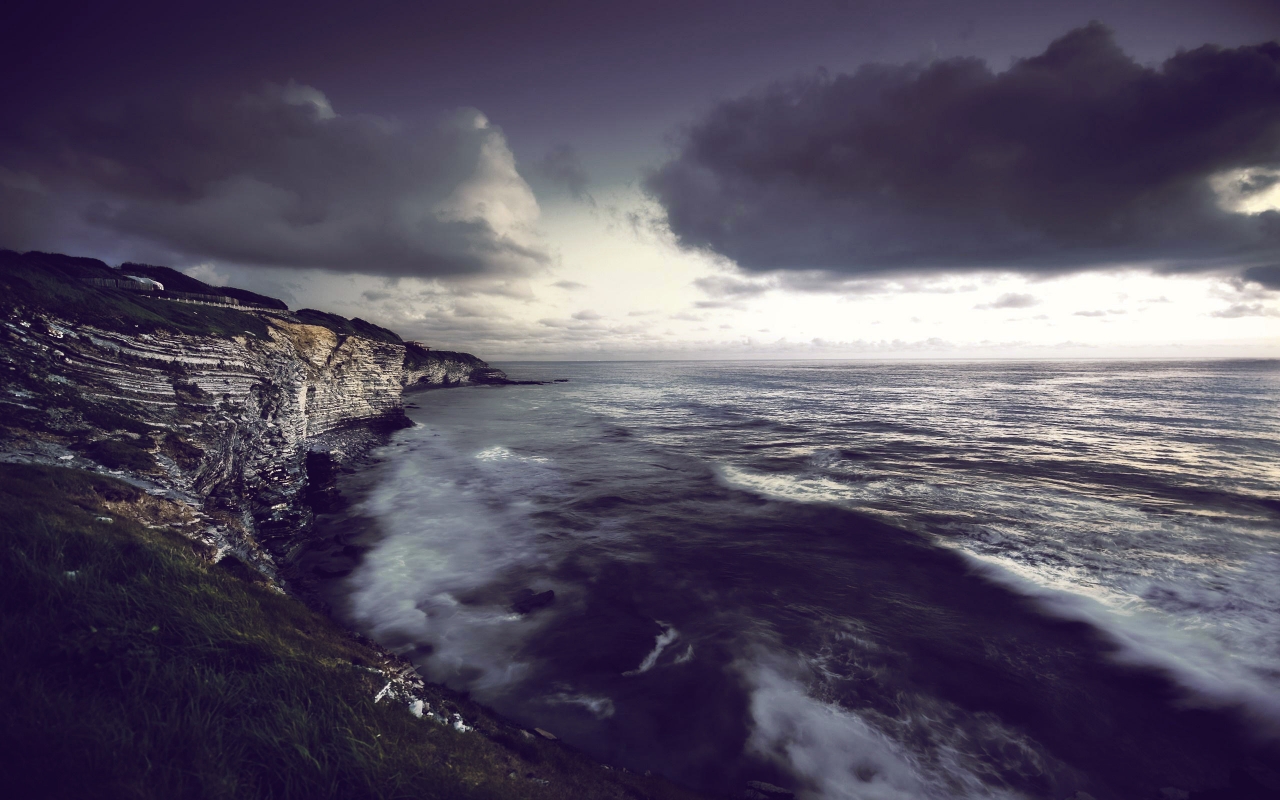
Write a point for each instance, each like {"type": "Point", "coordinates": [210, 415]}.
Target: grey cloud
{"type": "Point", "coordinates": [562, 167]}
{"type": "Point", "coordinates": [729, 286]}
{"type": "Point", "coordinates": [1237, 289]}
{"type": "Point", "coordinates": [463, 309]}
{"type": "Point", "coordinates": [1090, 314]}
{"type": "Point", "coordinates": [569, 285]}
{"type": "Point", "coordinates": [1268, 276]}
{"type": "Point", "coordinates": [277, 178]}
{"type": "Point", "coordinates": [1011, 300]}
{"type": "Point", "coordinates": [1077, 158]}
{"type": "Point", "coordinates": [1237, 310]}
{"type": "Point", "coordinates": [590, 322]}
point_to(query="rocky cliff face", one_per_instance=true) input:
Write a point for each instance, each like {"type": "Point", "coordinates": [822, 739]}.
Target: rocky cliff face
{"type": "Point", "coordinates": [231, 423]}
{"type": "Point", "coordinates": [425, 368]}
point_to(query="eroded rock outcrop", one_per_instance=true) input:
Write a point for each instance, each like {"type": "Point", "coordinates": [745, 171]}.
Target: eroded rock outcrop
{"type": "Point", "coordinates": [424, 368]}
{"type": "Point", "coordinates": [224, 418]}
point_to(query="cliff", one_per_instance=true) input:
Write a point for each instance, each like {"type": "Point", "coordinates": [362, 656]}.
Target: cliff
{"type": "Point", "coordinates": [133, 667]}
{"type": "Point", "coordinates": [242, 410]}
{"type": "Point", "coordinates": [222, 418]}
{"type": "Point", "coordinates": [424, 368]}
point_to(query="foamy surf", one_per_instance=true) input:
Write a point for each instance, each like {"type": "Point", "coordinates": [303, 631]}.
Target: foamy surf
{"type": "Point", "coordinates": [801, 644]}
{"type": "Point", "coordinates": [456, 542]}
{"type": "Point", "coordinates": [1169, 606]}
{"type": "Point", "coordinates": [662, 641]}
{"type": "Point", "coordinates": [837, 753]}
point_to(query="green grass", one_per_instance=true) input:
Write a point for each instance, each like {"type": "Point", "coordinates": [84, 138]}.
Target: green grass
{"type": "Point", "coordinates": [132, 668]}
{"type": "Point", "coordinates": [56, 283]}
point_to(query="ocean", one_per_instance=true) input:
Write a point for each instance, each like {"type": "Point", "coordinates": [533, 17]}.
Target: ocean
{"type": "Point", "coordinates": [849, 579]}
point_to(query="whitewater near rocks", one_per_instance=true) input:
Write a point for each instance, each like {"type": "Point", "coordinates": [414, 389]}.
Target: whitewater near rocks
{"type": "Point", "coordinates": [851, 580]}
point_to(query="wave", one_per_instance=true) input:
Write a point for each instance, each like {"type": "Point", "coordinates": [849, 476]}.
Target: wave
{"type": "Point", "coordinates": [456, 542]}
{"type": "Point", "coordinates": [837, 753]}
{"type": "Point", "coordinates": [1196, 660]}
{"type": "Point", "coordinates": [1198, 603]}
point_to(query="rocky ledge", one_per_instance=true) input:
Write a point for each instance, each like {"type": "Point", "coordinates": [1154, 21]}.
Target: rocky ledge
{"type": "Point", "coordinates": [232, 404]}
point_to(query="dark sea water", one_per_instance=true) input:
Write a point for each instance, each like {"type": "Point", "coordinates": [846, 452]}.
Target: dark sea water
{"type": "Point", "coordinates": [853, 580]}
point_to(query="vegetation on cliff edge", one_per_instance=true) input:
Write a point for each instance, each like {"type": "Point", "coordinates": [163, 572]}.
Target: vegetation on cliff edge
{"type": "Point", "coordinates": [133, 667]}
{"type": "Point", "coordinates": [64, 285]}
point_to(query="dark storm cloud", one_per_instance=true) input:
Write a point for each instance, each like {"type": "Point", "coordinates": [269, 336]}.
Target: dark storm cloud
{"type": "Point", "coordinates": [1074, 159]}
{"type": "Point", "coordinates": [274, 177]}
{"type": "Point", "coordinates": [1268, 276]}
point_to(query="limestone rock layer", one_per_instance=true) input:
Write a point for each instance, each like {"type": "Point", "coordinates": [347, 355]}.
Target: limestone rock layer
{"type": "Point", "coordinates": [227, 421]}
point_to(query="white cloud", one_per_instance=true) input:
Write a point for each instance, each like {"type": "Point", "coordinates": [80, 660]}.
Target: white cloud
{"type": "Point", "coordinates": [1248, 191]}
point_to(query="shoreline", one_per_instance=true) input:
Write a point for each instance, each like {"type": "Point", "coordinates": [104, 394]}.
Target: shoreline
{"type": "Point", "coordinates": [160, 673]}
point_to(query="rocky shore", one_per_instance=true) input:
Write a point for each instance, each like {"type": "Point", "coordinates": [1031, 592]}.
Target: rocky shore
{"type": "Point", "coordinates": [196, 433]}
{"type": "Point", "coordinates": [244, 412]}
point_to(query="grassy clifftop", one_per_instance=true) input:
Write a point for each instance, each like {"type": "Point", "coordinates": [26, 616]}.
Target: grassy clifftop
{"type": "Point", "coordinates": [134, 667]}
{"type": "Point", "coordinates": [64, 285]}
{"type": "Point", "coordinates": [61, 285]}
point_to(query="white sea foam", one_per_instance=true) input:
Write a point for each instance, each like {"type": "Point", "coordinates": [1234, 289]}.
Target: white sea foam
{"type": "Point", "coordinates": [662, 641]}
{"type": "Point", "coordinates": [1191, 594]}
{"type": "Point", "coordinates": [1193, 656]}
{"type": "Point", "coordinates": [839, 754]}
{"type": "Point", "coordinates": [598, 706]}
{"type": "Point", "coordinates": [454, 523]}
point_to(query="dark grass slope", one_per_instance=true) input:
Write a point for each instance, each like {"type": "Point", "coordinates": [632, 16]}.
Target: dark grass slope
{"type": "Point", "coordinates": [175, 281]}
{"type": "Point", "coordinates": [56, 283]}
{"type": "Point", "coordinates": [347, 327]}
{"type": "Point", "coordinates": [132, 668]}
{"type": "Point", "coordinates": [60, 284]}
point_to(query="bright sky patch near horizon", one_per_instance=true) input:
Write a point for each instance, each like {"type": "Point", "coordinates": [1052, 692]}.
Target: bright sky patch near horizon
{"type": "Point", "coordinates": [843, 180]}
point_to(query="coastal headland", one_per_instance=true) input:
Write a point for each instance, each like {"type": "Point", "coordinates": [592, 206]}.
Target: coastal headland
{"type": "Point", "coordinates": [166, 447]}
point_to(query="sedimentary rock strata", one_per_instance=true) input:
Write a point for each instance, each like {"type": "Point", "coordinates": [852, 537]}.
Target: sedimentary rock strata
{"type": "Point", "coordinates": [225, 421]}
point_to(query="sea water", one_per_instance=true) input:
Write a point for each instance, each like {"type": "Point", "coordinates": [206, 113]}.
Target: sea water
{"type": "Point", "coordinates": [855, 580]}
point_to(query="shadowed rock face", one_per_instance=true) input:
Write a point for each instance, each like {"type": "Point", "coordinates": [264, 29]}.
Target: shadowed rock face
{"type": "Point", "coordinates": [226, 420]}
{"type": "Point", "coordinates": [423, 368]}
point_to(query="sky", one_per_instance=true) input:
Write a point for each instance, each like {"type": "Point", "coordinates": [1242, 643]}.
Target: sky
{"type": "Point", "coordinates": [746, 179]}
